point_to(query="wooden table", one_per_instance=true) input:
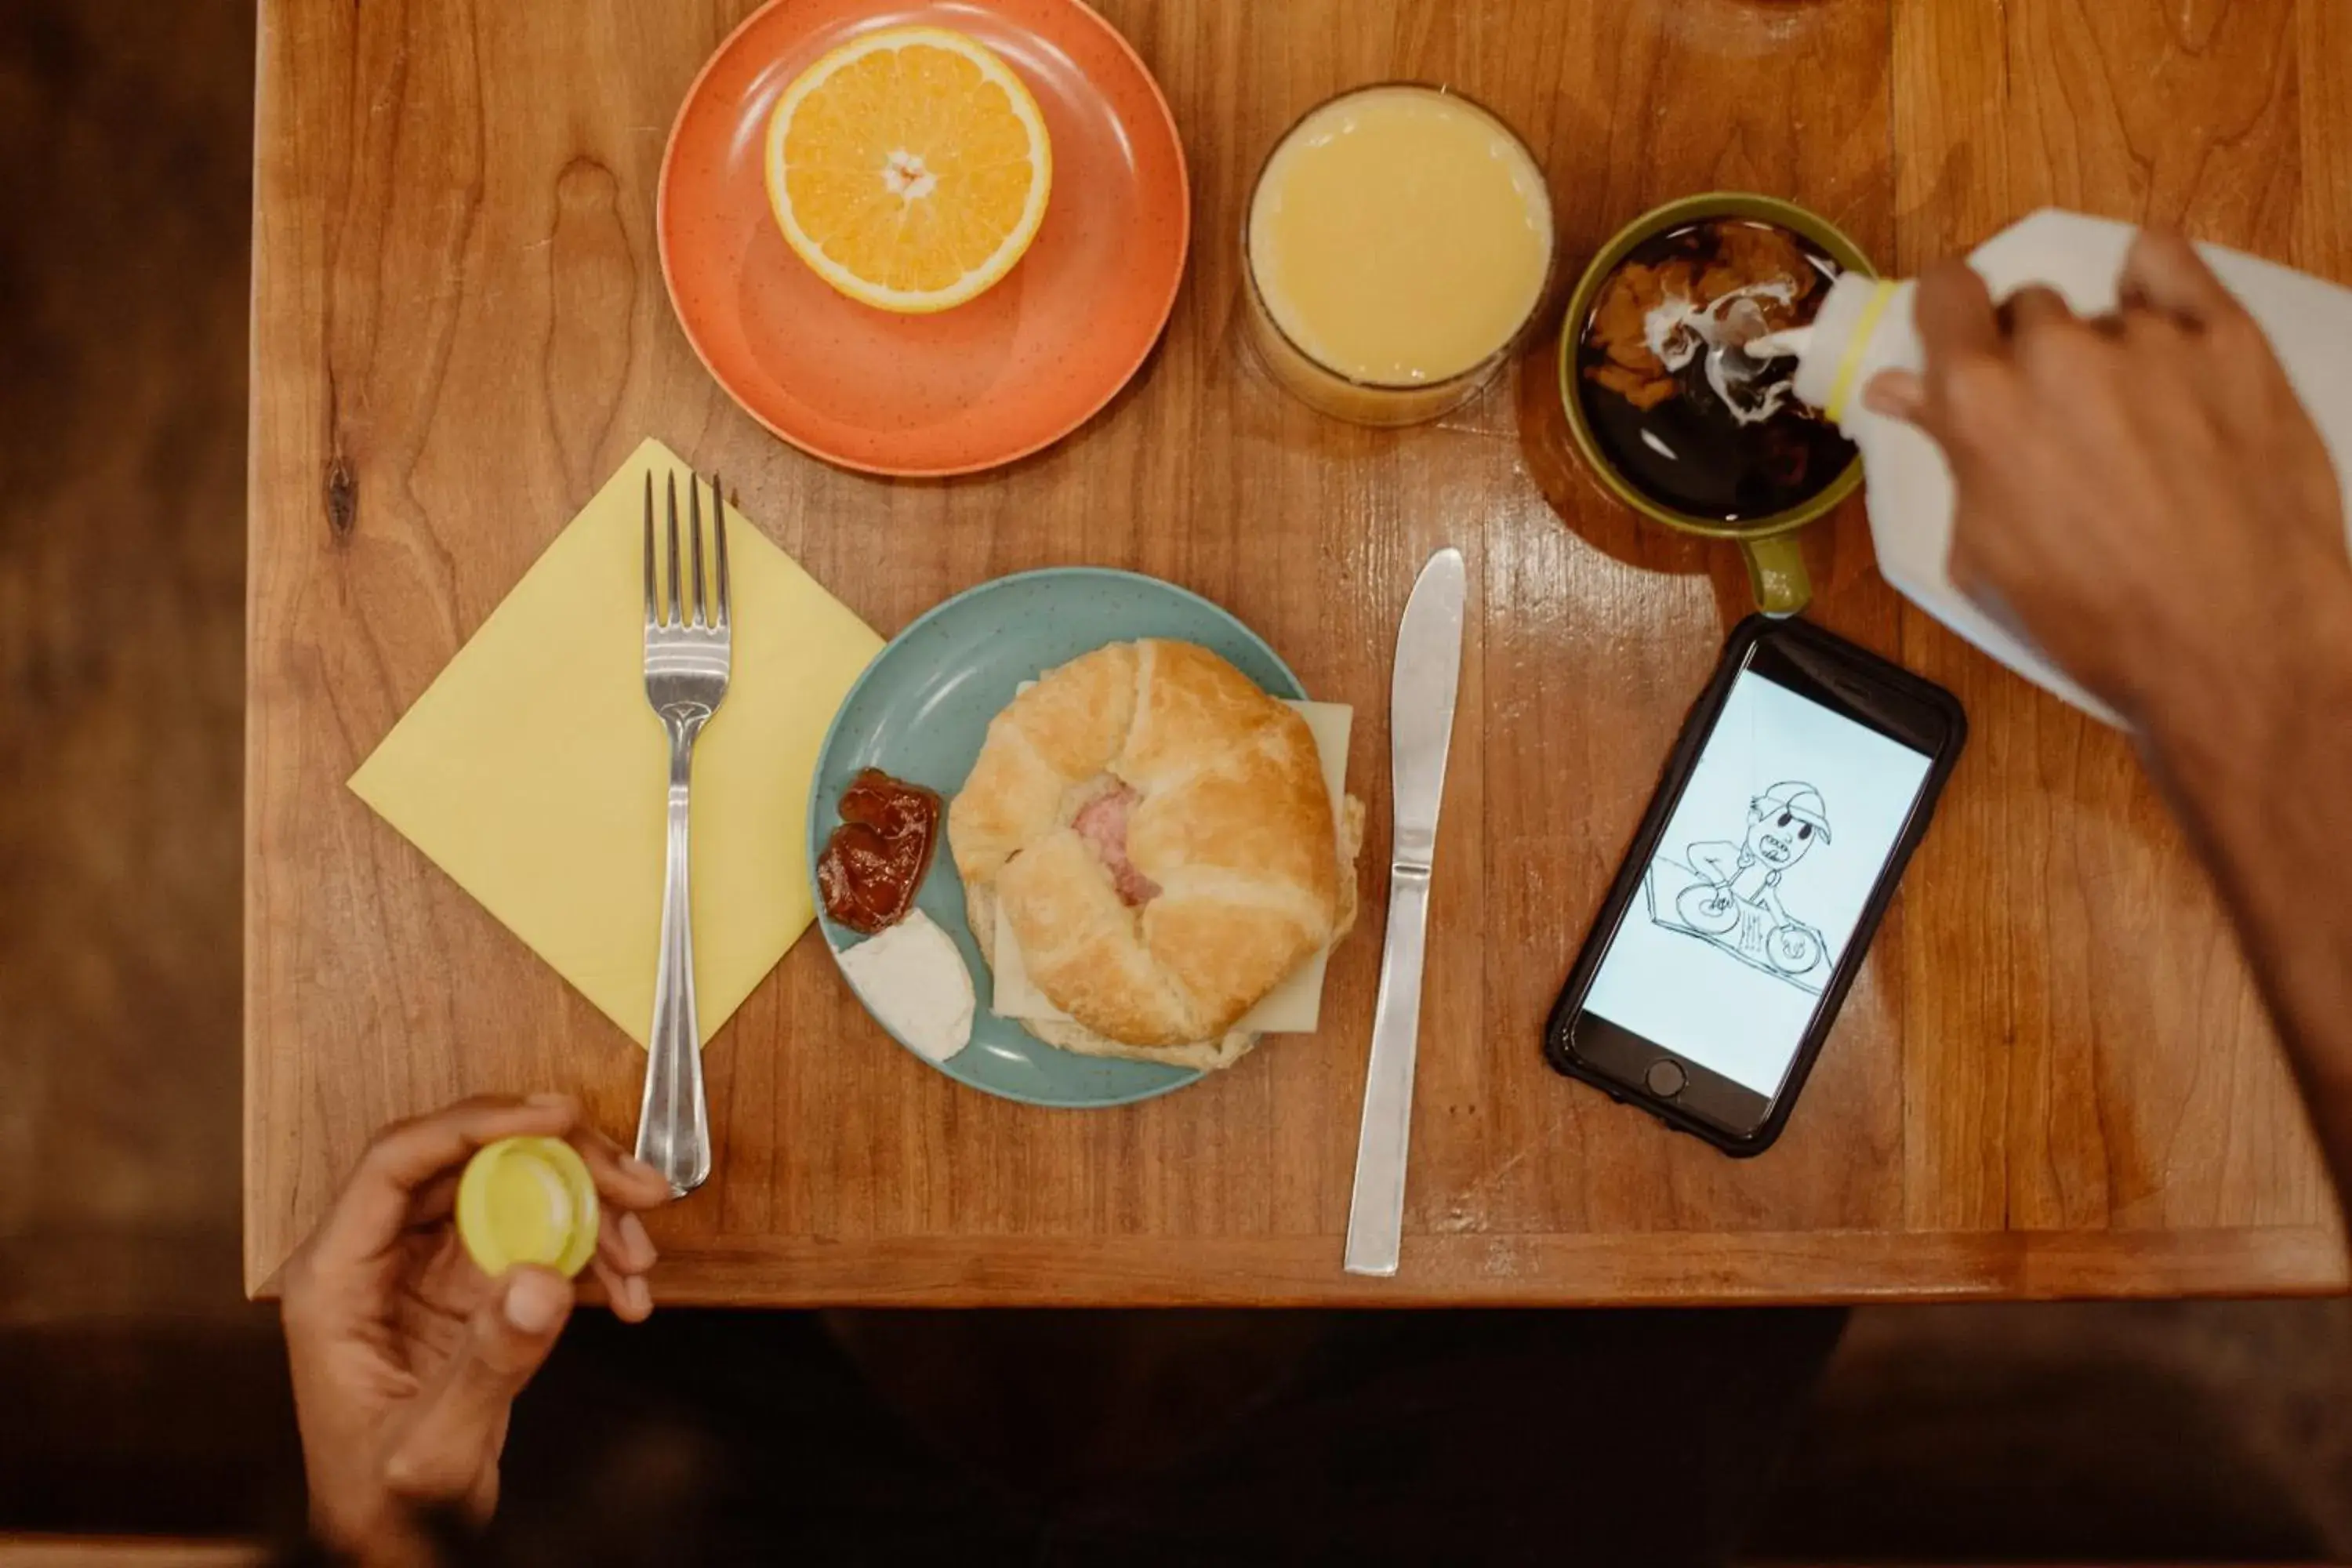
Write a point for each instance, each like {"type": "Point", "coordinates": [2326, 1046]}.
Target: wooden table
{"type": "Point", "coordinates": [2053, 1078]}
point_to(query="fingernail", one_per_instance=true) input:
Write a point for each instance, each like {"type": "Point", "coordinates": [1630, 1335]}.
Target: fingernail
{"type": "Point", "coordinates": [535, 1300]}
{"type": "Point", "coordinates": [633, 1238]}
{"type": "Point", "coordinates": [641, 1295]}
{"type": "Point", "coordinates": [550, 1101]}
{"type": "Point", "coordinates": [639, 1170]}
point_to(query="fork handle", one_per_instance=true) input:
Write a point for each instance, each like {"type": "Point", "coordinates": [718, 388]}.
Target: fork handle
{"type": "Point", "coordinates": [674, 1123]}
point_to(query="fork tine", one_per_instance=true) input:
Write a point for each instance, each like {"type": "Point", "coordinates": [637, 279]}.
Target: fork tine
{"type": "Point", "coordinates": [694, 527]}
{"type": "Point", "coordinates": [677, 585]}
{"type": "Point", "coordinates": [719, 537]}
{"type": "Point", "coordinates": [652, 609]}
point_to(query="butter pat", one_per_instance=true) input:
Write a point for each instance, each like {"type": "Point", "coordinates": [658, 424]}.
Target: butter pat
{"type": "Point", "coordinates": [912, 979]}
{"type": "Point", "coordinates": [1293, 1008]}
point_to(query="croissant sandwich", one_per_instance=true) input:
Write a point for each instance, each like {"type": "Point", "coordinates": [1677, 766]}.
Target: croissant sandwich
{"type": "Point", "coordinates": [1160, 835]}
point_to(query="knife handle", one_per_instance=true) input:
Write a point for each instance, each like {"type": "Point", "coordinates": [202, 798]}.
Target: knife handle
{"type": "Point", "coordinates": [1376, 1212]}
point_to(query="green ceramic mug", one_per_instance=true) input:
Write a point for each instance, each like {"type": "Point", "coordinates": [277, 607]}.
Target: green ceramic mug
{"type": "Point", "coordinates": [1776, 567]}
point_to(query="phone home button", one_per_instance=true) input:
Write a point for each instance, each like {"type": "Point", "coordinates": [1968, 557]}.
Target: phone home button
{"type": "Point", "coordinates": [1665, 1079]}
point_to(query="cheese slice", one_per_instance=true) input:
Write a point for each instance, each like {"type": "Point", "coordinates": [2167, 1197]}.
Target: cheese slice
{"type": "Point", "coordinates": [1293, 1008]}
{"type": "Point", "coordinates": [534, 774]}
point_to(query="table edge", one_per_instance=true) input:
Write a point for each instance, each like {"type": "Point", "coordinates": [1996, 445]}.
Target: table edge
{"type": "Point", "coordinates": [1490, 1269]}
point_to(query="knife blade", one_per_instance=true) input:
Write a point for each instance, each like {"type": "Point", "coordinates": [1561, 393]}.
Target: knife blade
{"type": "Point", "coordinates": [1421, 693]}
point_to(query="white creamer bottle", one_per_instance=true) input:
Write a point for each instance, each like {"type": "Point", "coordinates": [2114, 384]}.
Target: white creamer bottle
{"type": "Point", "coordinates": [1866, 326]}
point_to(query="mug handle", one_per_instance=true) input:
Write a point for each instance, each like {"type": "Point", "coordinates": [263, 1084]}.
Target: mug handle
{"type": "Point", "coordinates": [1776, 571]}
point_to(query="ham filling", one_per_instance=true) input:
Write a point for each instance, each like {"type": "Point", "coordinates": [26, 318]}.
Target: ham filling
{"type": "Point", "coordinates": [1102, 822]}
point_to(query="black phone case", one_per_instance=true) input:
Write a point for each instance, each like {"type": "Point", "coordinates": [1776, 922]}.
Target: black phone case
{"type": "Point", "coordinates": [1627, 882]}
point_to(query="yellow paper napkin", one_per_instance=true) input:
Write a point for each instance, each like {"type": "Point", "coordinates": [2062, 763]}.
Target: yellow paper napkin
{"type": "Point", "coordinates": [533, 772]}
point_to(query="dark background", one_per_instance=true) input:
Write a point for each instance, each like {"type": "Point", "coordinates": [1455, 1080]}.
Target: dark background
{"type": "Point", "coordinates": [139, 1391]}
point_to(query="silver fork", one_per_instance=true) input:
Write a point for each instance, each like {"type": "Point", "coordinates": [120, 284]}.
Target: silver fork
{"type": "Point", "coordinates": [686, 660]}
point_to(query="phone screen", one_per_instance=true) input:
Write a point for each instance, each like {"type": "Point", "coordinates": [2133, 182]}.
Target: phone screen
{"type": "Point", "coordinates": [1763, 872]}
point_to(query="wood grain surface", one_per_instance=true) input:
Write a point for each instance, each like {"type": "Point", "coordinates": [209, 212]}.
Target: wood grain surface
{"type": "Point", "coordinates": [2052, 1077]}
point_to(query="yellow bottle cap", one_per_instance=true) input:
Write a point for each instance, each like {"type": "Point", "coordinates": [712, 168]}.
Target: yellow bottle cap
{"type": "Point", "coordinates": [528, 1200]}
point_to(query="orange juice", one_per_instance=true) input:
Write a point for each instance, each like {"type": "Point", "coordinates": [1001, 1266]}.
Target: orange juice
{"type": "Point", "coordinates": [1397, 242]}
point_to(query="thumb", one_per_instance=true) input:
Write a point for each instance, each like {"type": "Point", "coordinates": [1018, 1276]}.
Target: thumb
{"type": "Point", "coordinates": [1896, 394]}
{"type": "Point", "coordinates": [461, 1420]}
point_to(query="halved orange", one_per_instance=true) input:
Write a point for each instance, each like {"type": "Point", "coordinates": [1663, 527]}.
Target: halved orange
{"type": "Point", "coordinates": [909, 168]}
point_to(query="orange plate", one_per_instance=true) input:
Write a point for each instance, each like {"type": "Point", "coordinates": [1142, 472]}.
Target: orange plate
{"type": "Point", "coordinates": [1015, 370]}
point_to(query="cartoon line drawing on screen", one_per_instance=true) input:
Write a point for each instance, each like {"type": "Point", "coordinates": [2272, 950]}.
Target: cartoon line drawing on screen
{"type": "Point", "coordinates": [1727, 894]}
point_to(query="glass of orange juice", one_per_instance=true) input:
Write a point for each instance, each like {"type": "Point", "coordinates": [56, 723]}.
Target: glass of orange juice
{"type": "Point", "coordinates": [1397, 246]}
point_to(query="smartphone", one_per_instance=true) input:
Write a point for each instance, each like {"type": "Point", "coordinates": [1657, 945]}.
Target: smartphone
{"type": "Point", "coordinates": [1802, 782]}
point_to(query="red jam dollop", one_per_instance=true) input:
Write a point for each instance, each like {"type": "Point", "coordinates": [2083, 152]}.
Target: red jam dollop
{"type": "Point", "coordinates": [877, 857]}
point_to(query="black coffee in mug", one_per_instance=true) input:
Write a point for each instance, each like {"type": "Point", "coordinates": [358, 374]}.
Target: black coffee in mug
{"type": "Point", "coordinates": [1676, 402]}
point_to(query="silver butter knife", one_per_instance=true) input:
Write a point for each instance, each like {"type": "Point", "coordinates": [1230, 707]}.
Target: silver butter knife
{"type": "Point", "coordinates": [1421, 728]}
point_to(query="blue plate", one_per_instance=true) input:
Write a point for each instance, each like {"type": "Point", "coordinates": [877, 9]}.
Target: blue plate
{"type": "Point", "coordinates": [920, 712]}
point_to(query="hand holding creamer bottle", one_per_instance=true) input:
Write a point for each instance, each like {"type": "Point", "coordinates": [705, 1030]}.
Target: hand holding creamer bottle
{"type": "Point", "coordinates": [2134, 401]}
